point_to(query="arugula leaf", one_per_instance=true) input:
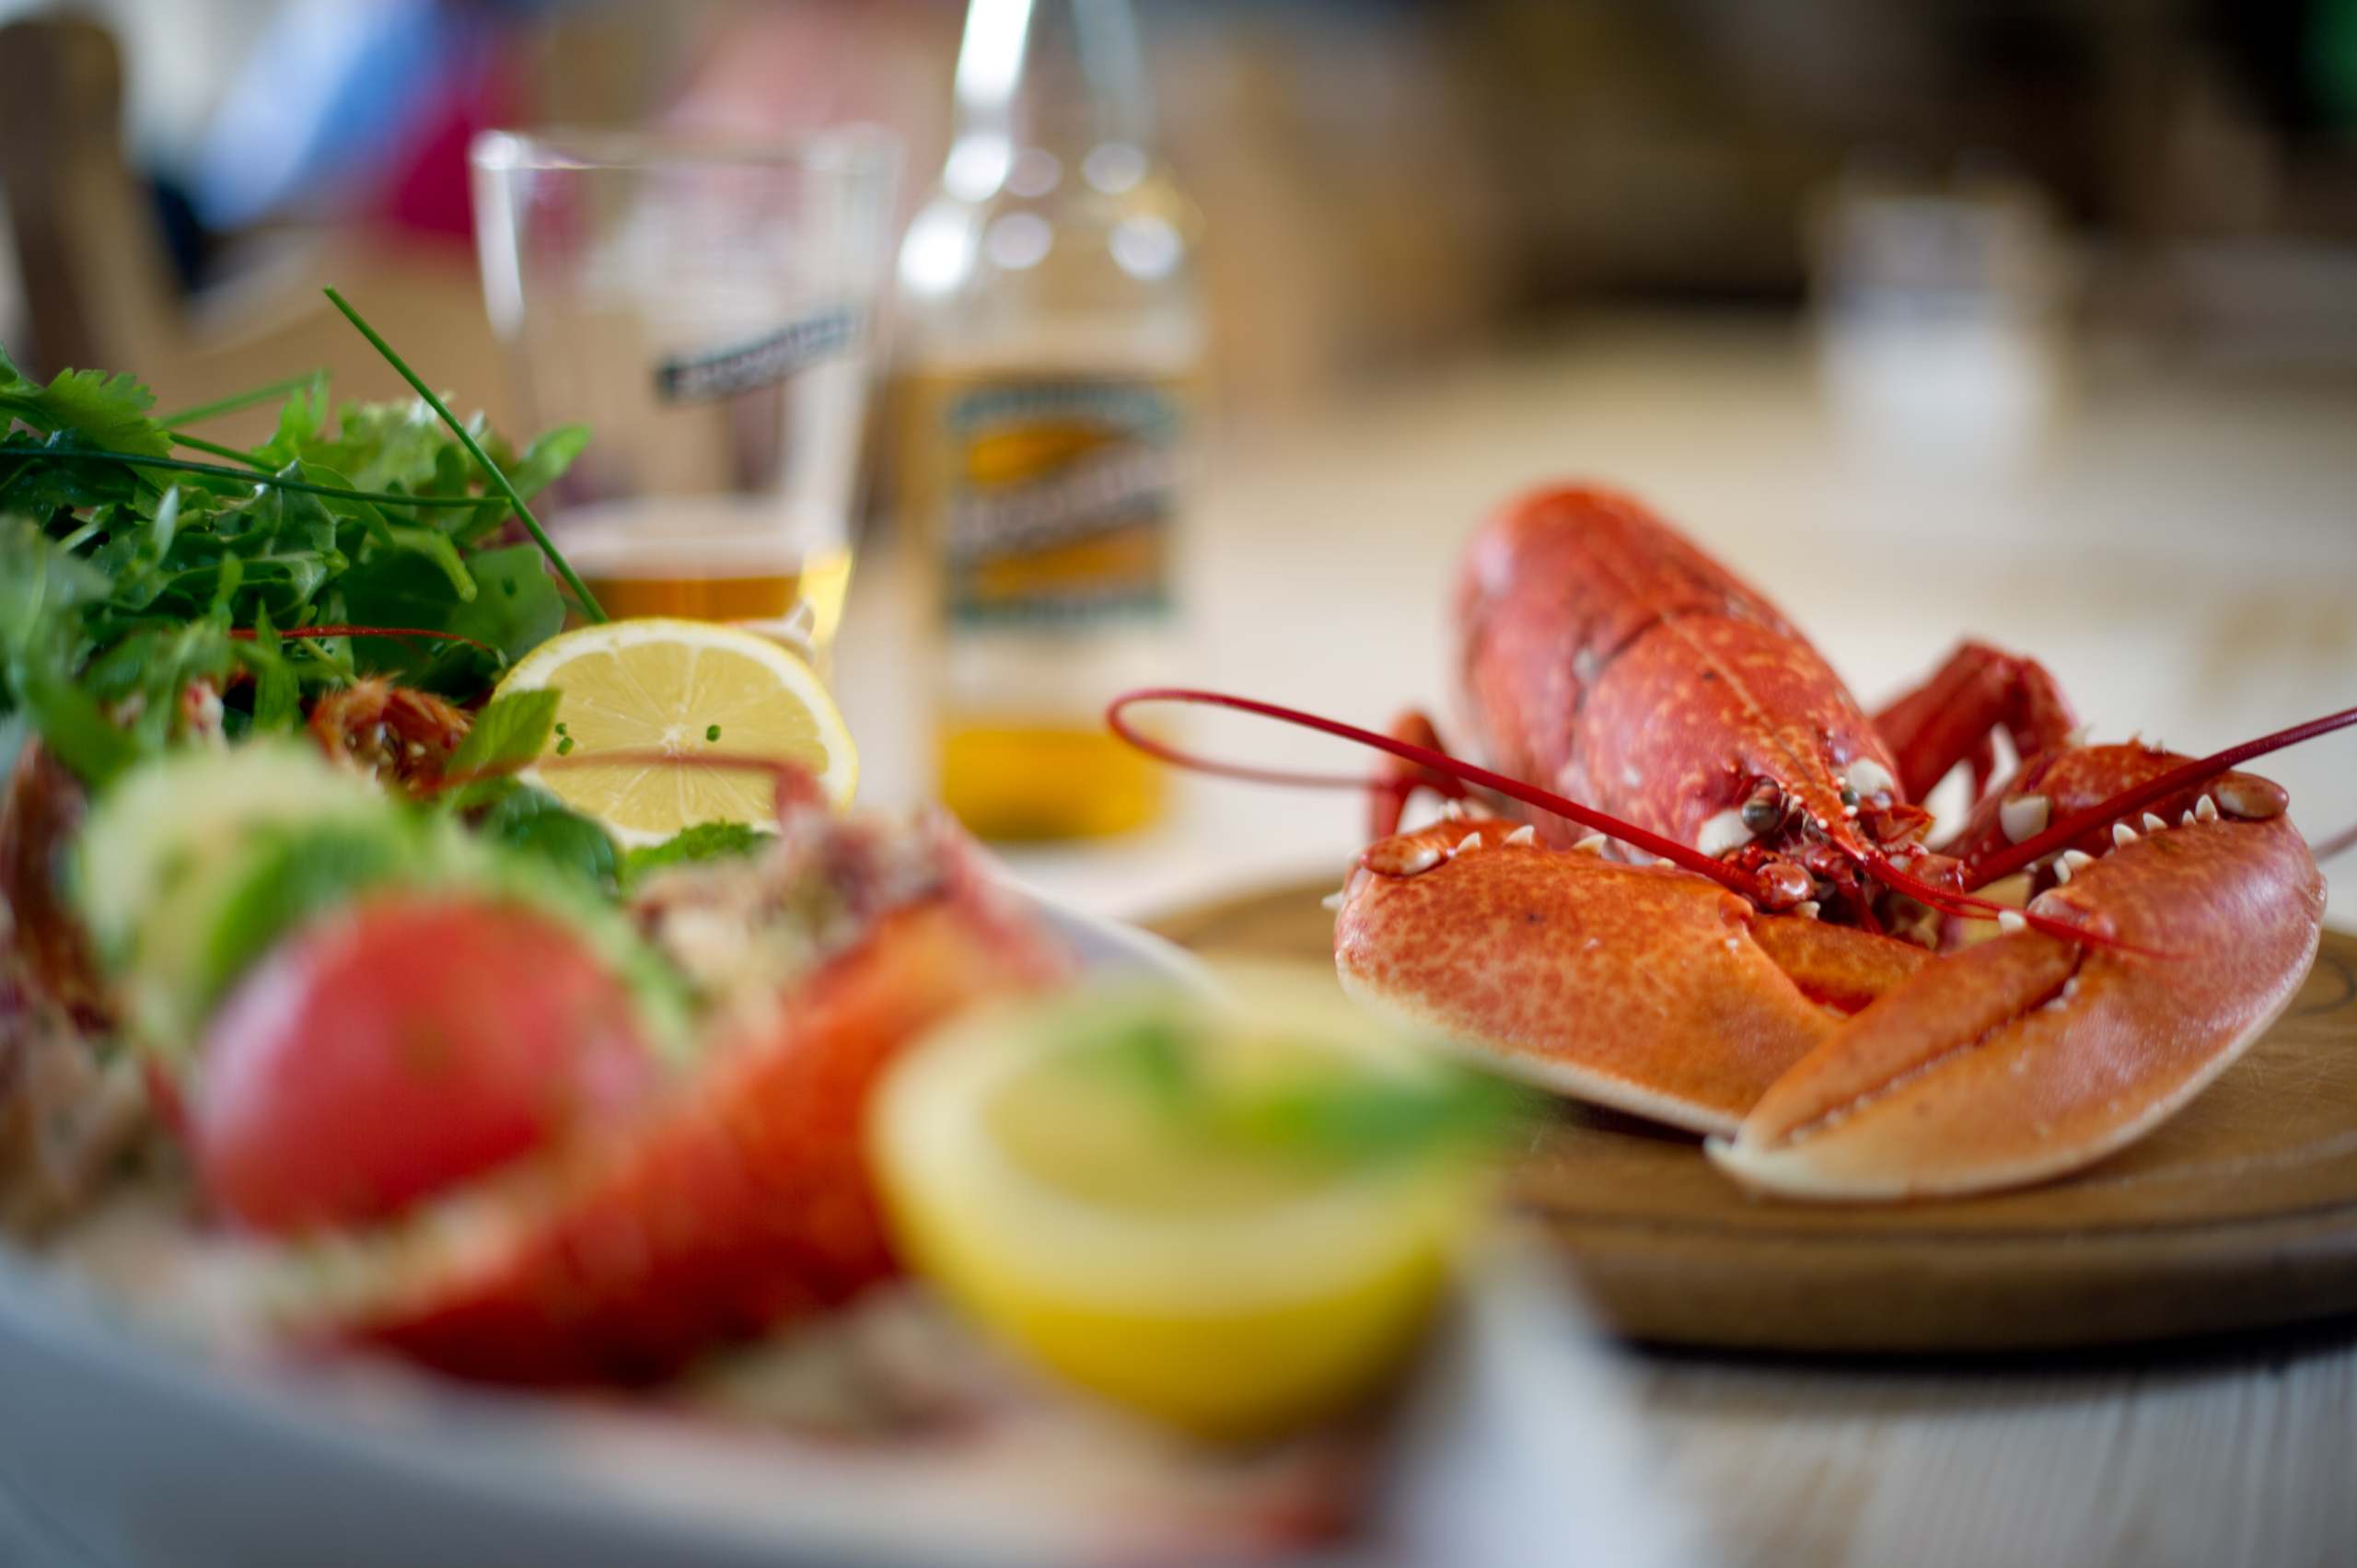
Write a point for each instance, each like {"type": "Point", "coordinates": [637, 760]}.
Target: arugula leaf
{"type": "Point", "coordinates": [514, 609]}
{"type": "Point", "coordinates": [436, 548]}
{"type": "Point", "coordinates": [546, 458]}
{"type": "Point", "coordinates": [705, 841]}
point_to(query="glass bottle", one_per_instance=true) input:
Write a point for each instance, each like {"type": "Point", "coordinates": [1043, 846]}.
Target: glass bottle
{"type": "Point", "coordinates": [1050, 347]}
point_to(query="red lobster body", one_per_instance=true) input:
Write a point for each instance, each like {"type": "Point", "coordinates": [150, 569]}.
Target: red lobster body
{"type": "Point", "coordinates": [1608, 659]}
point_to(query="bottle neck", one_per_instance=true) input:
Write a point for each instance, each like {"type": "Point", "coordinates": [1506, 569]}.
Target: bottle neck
{"type": "Point", "coordinates": [1062, 76]}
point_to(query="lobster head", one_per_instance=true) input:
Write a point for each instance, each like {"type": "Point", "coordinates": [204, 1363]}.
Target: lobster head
{"type": "Point", "coordinates": [1603, 654]}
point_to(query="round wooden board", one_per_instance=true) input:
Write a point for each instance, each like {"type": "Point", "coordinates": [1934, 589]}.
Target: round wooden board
{"type": "Point", "coordinates": [2241, 1213]}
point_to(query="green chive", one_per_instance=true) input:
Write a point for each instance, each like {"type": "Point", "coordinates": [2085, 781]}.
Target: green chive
{"type": "Point", "coordinates": [564, 747]}
{"type": "Point", "coordinates": [269, 481]}
{"type": "Point", "coordinates": [587, 600]}
{"type": "Point", "coordinates": [182, 439]}
{"type": "Point", "coordinates": [245, 400]}
{"type": "Point", "coordinates": [712, 732]}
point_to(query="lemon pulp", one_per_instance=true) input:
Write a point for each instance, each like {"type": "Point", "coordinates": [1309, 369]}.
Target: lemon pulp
{"type": "Point", "coordinates": [1231, 1286]}
{"type": "Point", "coordinates": [664, 688]}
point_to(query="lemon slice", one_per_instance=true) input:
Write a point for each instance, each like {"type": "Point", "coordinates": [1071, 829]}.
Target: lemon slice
{"type": "Point", "coordinates": [685, 689]}
{"type": "Point", "coordinates": [1213, 1260]}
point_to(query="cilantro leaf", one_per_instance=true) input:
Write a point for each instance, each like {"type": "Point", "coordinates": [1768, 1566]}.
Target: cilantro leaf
{"type": "Point", "coordinates": [110, 411]}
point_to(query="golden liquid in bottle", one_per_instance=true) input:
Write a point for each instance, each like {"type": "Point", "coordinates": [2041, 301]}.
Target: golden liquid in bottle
{"type": "Point", "coordinates": [1014, 781]}
{"type": "Point", "coordinates": [1021, 746]}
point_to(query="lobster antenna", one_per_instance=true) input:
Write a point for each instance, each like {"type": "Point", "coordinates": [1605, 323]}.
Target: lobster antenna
{"type": "Point", "coordinates": [2185, 774]}
{"type": "Point", "coordinates": [1682, 855]}
{"type": "Point", "coordinates": [1117, 720]}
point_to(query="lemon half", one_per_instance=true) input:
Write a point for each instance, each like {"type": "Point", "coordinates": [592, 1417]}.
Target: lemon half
{"type": "Point", "coordinates": [682, 689]}
{"type": "Point", "coordinates": [1219, 1286]}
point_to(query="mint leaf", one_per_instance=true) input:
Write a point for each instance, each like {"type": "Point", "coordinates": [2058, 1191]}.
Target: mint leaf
{"type": "Point", "coordinates": [505, 737]}
{"type": "Point", "coordinates": [705, 841]}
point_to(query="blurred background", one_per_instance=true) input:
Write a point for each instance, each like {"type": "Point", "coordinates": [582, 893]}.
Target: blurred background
{"type": "Point", "coordinates": [2037, 320]}
{"type": "Point", "coordinates": [1386, 182]}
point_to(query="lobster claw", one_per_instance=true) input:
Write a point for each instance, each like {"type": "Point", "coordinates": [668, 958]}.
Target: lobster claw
{"type": "Point", "coordinates": [2029, 1056]}
{"type": "Point", "coordinates": [1634, 987]}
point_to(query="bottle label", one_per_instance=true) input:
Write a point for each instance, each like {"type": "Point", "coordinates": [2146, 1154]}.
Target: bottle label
{"type": "Point", "coordinates": [1060, 494]}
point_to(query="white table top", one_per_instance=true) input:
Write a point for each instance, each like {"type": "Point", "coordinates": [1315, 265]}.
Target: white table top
{"type": "Point", "coordinates": [2180, 549]}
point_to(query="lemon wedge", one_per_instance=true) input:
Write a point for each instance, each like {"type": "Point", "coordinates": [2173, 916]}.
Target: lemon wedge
{"type": "Point", "coordinates": [684, 689]}
{"type": "Point", "coordinates": [1235, 1215]}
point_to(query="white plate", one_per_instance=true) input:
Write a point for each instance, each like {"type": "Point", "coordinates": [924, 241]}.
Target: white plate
{"type": "Point", "coordinates": [128, 1452]}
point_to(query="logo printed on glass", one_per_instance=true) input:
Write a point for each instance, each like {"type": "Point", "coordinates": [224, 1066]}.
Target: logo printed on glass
{"type": "Point", "coordinates": [766, 359]}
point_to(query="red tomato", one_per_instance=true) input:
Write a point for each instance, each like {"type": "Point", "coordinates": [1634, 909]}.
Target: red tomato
{"type": "Point", "coordinates": [405, 1047]}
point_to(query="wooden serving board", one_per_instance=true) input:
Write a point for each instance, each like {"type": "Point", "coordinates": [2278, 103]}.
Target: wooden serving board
{"type": "Point", "coordinates": [2241, 1213]}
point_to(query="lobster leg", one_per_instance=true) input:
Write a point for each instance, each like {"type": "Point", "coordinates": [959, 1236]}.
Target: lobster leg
{"type": "Point", "coordinates": [1397, 784]}
{"type": "Point", "coordinates": [1641, 988]}
{"type": "Point", "coordinates": [1951, 718]}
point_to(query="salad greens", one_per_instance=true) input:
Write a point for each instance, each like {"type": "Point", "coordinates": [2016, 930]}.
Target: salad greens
{"type": "Point", "coordinates": [147, 595]}
{"type": "Point", "coordinates": [376, 540]}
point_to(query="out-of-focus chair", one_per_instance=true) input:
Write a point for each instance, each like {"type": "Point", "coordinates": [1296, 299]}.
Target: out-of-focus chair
{"type": "Point", "coordinates": [96, 291]}
{"type": "Point", "coordinates": [91, 273]}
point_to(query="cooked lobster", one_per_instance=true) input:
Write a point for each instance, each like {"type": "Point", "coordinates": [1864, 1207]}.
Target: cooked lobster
{"type": "Point", "coordinates": [1693, 884]}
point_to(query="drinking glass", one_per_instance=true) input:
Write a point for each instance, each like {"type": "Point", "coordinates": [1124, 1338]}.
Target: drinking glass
{"type": "Point", "coordinates": [707, 308]}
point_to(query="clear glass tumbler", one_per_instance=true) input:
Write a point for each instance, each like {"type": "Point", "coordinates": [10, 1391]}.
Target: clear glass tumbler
{"type": "Point", "coordinates": [708, 308]}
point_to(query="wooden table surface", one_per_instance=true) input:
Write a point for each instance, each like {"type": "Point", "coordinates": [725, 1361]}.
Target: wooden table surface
{"type": "Point", "coordinates": [2237, 1457]}
{"type": "Point", "coordinates": [2179, 546]}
